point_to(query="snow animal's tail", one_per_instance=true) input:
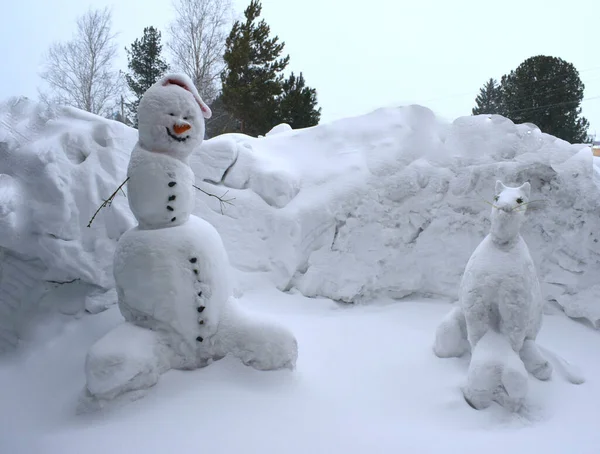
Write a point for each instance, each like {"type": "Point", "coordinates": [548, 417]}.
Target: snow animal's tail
{"type": "Point", "coordinates": [571, 372]}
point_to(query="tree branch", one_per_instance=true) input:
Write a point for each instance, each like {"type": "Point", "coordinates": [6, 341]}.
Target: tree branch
{"type": "Point", "coordinates": [222, 201]}
{"type": "Point", "coordinates": [108, 201]}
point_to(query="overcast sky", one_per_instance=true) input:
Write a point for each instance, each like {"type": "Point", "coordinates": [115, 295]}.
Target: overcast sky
{"type": "Point", "coordinates": [359, 55]}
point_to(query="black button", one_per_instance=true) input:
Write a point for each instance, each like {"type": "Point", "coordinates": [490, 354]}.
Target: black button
{"type": "Point", "coordinates": [173, 219]}
{"type": "Point", "coordinates": [169, 208]}
{"type": "Point", "coordinates": [201, 309]}
{"type": "Point", "coordinates": [201, 322]}
{"type": "Point", "coordinates": [196, 272]}
{"type": "Point", "coordinates": [171, 198]}
{"type": "Point", "coordinates": [193, 260]}
{"type": "Point", "coordinates": [172, 183]}
{"type": "Point", "coordinates": [199, 338]}
{"type": "Point", "coordinates": [199, 293]}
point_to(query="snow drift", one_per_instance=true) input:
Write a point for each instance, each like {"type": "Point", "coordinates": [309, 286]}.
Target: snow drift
{"type": "Point", "coordinates": [387, 204]}
{"type": "Point", "coordinates": [56, 166]}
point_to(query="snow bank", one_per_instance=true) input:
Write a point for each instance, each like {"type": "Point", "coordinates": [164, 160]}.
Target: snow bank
{"type": "Point", "coordinates": [393, 204]}
{"type": "Point", "coordinates": [387, 204]}
{"type": "Point", "coordinates": [57, 165]}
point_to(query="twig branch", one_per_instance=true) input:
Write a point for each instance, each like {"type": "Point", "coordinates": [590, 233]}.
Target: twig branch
{"type": "Point", "coordinates": [64, 282]}
{"type": "Point", "coordinates": [108, 201]}
{"type": "Point", "coordinates": [221, 199]}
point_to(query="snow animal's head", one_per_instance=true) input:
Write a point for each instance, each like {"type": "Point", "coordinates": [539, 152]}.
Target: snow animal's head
{"type": "Point", "coordinates": [171, 117]}
{"type": "Point", "coordinates": [508, 211]}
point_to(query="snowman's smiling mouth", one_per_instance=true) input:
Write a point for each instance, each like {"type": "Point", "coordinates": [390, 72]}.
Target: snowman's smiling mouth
{"type": "Point", "coordinates": [174, 137]}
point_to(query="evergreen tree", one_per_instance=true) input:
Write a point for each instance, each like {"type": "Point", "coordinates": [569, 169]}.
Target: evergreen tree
{"type": "Point", "coordinates": [145, 64]}
{"type": "Point", "coordinates": [547, 92]}
{"type": "Point", "coordinates": [221, 120]}
{"type": "Point", "coordinates": [297, 104]}
{"type": "Point", "coordinates": [489, 100]}
{"type": "Point", "coordinates": [252, 78]}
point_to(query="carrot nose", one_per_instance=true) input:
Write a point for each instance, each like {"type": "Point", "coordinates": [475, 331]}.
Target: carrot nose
{"type": "Point", "coordinates": [180, 129]}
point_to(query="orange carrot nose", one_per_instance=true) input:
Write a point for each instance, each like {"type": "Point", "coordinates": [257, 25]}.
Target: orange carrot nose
{"type": "Point", "coordinates": [180, 129]}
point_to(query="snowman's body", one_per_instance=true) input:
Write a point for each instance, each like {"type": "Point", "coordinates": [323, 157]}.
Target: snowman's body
{"type": "Point", "coordinates": [500, 308]}
{"type": "Point", "coordinates": [160, 189]}
{"type": "Point", "coordinates": [176, 281]}
{"type": "Point", "coordinates": [172, 270]}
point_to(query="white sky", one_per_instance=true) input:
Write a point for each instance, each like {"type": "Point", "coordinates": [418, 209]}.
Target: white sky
{"type": "Point", "coordinates": [359, 55]}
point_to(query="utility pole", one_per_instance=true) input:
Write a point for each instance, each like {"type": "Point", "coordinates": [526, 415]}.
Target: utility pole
{"type": "Point", "coordinates": [123, 111]}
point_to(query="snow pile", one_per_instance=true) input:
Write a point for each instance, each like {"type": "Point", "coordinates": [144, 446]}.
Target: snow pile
{"type": "Point", "coordinates": [422, 214]}
{"type": "Point", "coordinates": [387, 204]}
{"type": "Point", "coordinates": [57, 165]}
{"type": "Point", "coordinates": [393, 204]}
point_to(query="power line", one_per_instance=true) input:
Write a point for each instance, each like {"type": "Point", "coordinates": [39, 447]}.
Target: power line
{"type": "Point", "coordinates": [470, 93]}
{"type": "Point", "coordinates": [561, 76]}
{"type": "Point", "coordinates": [542, 94]}
{"type": "Point", "coordinates": [533, 109]}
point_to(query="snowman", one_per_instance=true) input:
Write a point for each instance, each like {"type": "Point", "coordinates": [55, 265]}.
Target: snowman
{"type": "Point", "coordinates": [172, 270]}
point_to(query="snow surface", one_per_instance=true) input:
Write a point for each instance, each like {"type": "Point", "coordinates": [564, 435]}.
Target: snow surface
{"type": "Point", "coordinates": [367, 209]}
{"type": "Point", "coordinates": [366, 381]}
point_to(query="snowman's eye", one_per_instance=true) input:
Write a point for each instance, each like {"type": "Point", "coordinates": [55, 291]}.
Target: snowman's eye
{"type": "Point", "coordinates": [496, 198]}
{"type": "Point", "coordinates": [519, 200]}
{"type": "Point", "coordinates": [172, 114]}
{"type": "Point", "coordinates": [186, 118]}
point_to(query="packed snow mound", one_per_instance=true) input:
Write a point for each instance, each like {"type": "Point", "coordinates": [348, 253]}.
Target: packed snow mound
{"type": "Point", "coordinates": [393, 203]}
{"type": "Point", "coordinates": [280, 128]}
{"type": "Point", "coordinates": [57, 165]}
{"type": "Point", "coordinates": [386, 204]}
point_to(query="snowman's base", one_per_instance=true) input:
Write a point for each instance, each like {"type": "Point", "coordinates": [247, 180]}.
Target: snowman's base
{"type": "Point", "coordinates": [130, 359]}
{"type": "Point", "coordinates": [88, 403]}
{"type": "Point", "coordinates": [127, 358]}
{"type": "Point", "coordinates": [258, 343]}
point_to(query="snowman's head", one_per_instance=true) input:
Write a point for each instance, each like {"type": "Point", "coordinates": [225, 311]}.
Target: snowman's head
{"type": "Point", "coordinates": [171, 117]}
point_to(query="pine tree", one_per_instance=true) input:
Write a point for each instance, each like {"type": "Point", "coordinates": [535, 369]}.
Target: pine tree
{"type": "Point", "coordinates": [145, 64]}
{"type": "Point", "coordinates": [252, 78]}
{"type": "Point", "coordinates": [221, 120]}
{"type": "Point", "coordinates": [489, 100]}
{"type": "Point", "coordinates": [297, 104]}
{"type": "Point", "coordinates": [547, 92]}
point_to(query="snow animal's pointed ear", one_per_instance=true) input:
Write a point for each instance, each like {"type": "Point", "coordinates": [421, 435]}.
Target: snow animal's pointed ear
{"type": "Point", "coordinates": [526, 188]}
{"type": "Point", "coordinates": [499, 187]}
{"type": "Point", "coordinates": [185, 82]}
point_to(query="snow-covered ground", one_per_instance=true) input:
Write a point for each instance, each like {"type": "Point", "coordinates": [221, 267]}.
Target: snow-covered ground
{"type": "Point", "coordinates": [383, 209]}
{"type": "Point", "coordinates": [367, 381]}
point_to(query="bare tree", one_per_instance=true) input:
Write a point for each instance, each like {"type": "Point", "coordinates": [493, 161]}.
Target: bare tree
{"type": "Point", "coordinates": [79, 72]}
{"type": "Point", "coordinates": [197, 41]}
